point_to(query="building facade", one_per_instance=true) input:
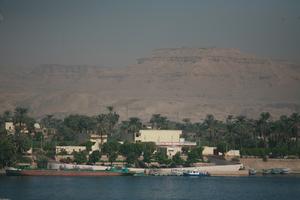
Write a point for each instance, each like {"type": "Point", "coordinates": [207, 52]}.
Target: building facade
{"type": "Point", "coordinates": [98, 141]}
{"type": "Point", "coordinates": [169, 139]}
{"type": "Point", "coordinates": [69, 149]}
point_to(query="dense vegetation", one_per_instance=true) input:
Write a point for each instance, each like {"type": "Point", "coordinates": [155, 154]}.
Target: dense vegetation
{"type": "Point", "coordinates": [257, 137]}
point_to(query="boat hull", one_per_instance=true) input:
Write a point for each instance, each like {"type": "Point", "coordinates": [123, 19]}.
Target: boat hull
{"type": "Point", "coordinates": [62, 173]}
{"type": "Point", "coordinates": [195, 174]}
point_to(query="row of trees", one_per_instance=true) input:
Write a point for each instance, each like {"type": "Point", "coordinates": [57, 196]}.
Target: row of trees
{"type": "Point", "coordinates": [236, 132]}
{"type": "Point", "coordinates": [138, 154]}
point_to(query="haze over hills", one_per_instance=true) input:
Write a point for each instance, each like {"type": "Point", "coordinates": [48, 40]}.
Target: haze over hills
{"type": "Point", "coordinates": [177, 82]}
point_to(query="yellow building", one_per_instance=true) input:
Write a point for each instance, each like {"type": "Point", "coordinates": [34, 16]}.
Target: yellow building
{"type": "Point", "coordinates": [9, 127]}
{"type": "Point", "coordinates": [168, 139]}
{"type": "Point", "coordinates": [69, 149]}
{"type": "Point", "coordinates": [98, 140]}
{"type": "Point", "coordinates": [158, 136]}
{"type": "Point", "coordinates": [209, 151]}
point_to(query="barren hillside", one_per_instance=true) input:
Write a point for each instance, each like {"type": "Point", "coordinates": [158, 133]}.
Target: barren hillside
{"type": "Point", "coordinates": [178, 83]}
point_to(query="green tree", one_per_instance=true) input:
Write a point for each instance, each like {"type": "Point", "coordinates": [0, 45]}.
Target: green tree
{"type": "Point", "coordinates": [263, 125]}
{"type": "Point", "coordinates": [94, 157]}
{"type": "Point", "coordinates": [80, 157]}
{"type": "Point", "coordinates": [194, 155]}
{"type": "Point", "coordinates": [158, 121]}
{"type": "Point", "coordinates": [161, 156]}
{"type": "Point", "coordinates": [111, 149]}
{"type": "Point", "coordinates": [148, 149]}
{"type": "Point", "coordinates": [106, 122]}
{"type": "Point", "coordinates": [211, 126]}
{"type": "Point", "coordinates": [230, 131]}
{"type": "Point", "coordinates": [80, 123]}
{"type": "Point", "coordinates": [89, 145]}
{"type": "Point", "coordinates": [134, 125]}
{"type": "Point", "coordinates": [42, 162]}
{"type": "Point", "coordinates": [23, 142]}
{"type": "Point", "coordinates": [177, 160]}
{"type": "Point", "coordinates": [132, 151]}
{"type": "Point", "coordinates": [8, 151]}
{"type": "Point", "coordinates": [295, 126]}
{"type": "Point", "coordinates": [20, 115]}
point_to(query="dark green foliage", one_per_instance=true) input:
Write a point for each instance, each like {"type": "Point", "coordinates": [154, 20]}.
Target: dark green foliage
{"type": "Point", "coordinates": [80, 123]}
{"type": "Point", "coordinates": [88, 145]}
{"type": "Point", "coordinates": [161, 157]}
{"type": "Point", "coordinates": [133, 151]}
{"type": "Point", "coordinates": [194, 155]}
{"type": "Point", "coordinates": [7, 151]}
{"type": "Point", "coordinates": [158, 121]}
{"type": "Point", "coordinates": [148, 149]}
{"type": "Point", "coordinates": [23, 142]}
{"type": "Point", "coordinates": [42, 162]}
{"type": "Point", "coordinates": [177, 160]}
{"type": "Point", "coordinates": [80, 157]}
{"type": "Point", "coordinates": [111, 149]}
{"type": "Point", "coordinates": [106, 122]}
{"type": "Point", "coordinates": [23, 159]}
{"type": "Point", "coordinates": [94, 157]}
{"type": "Point", "coordinates": [222, 147]}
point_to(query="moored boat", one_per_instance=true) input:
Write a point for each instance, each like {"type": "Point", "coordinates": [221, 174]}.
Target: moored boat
{"type": "Point", "coordinates": [195, 173]}
{"type": "Point", "coordinates": [285, 171]}
{"type": "Point", "coordinates": [252, 172]}
{"type": "Point", "coordinates": [75, 172]}
{"type": "Point", "coordinates": [276, 171]}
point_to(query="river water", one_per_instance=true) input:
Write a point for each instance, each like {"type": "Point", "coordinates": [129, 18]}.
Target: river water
{"type": "Point", "coordinates": [139, 188]}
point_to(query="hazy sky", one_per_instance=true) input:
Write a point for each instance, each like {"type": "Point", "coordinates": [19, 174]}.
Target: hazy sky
{"type": "Point", "coordinates": [115, 33]}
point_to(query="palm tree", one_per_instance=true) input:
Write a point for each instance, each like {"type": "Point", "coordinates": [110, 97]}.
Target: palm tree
{"type": "Point", "coordinates": [230, 128]}
{"type": "Point", "coordinates": [112, 118]}
{"type": "Point", "coordinates": [134, 125]}
{"type": "Point", "coordinates": [242, 128]}
{"type": "Point", "coordinates": [106, 122]}
{"type": "Point", "coordinates": [210, 123]}
{"type": "Point", "coordinates": [20, 115]}
{"type": "Point", "coordinates": [295, 125]}
{"type": "Point", "coordinates": [158, 121]}
{"type": "Point", "coordinates": [264, 126]}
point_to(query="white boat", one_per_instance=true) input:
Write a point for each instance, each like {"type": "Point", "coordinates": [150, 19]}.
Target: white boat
{"type": "Point", "coordinates": [195, 173]}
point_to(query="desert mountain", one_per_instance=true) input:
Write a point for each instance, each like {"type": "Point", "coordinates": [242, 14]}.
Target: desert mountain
{"type": "Point", "coordinates": [178, 83]}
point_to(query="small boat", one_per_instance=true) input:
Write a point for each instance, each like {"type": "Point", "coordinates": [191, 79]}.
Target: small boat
{"type": "Point", "coordinates": [266, 171]}
{"type": "Point", "coordinates": [195, 173]}
{"type": "Point", "coordinates": [139, 174]}
{"type": "Point", "coordinates": [285, 171]}
{"type": "Point", "coordinates": [252, 172]}
{"type": "Point", "coordinates": [276, 171]}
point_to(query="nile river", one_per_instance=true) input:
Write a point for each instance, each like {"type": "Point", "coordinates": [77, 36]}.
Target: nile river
{"type": "Point", "coordinates": [138, 188]}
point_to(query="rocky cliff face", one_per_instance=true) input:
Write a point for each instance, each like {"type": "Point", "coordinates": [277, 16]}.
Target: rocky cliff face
{"type": "Point", "coordinates": [179, 83]}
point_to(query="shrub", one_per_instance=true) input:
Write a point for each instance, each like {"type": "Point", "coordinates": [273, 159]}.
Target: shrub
{"type": "Point", "coordinates": [42, 162]}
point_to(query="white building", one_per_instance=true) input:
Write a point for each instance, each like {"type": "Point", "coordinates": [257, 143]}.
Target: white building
{"type": "Point", "coordinates": [10, 128]}
{"type": "Point", "coordinates": [98, 141]}
{"type": "Point", "coordinates": [169, 139]}
{"type": "Point", "coordinates": [69, 149]}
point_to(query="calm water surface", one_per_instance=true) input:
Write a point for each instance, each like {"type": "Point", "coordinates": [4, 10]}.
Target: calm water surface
{"type": "Point", "coordinates": [137, 188]}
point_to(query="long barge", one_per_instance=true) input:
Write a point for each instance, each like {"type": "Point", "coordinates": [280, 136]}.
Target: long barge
{"type": "Point", "coordinates": [51, 172]}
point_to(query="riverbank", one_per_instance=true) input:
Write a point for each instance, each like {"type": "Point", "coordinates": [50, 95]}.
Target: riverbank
{"type": "Point", "coordinates": [258, 164]}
